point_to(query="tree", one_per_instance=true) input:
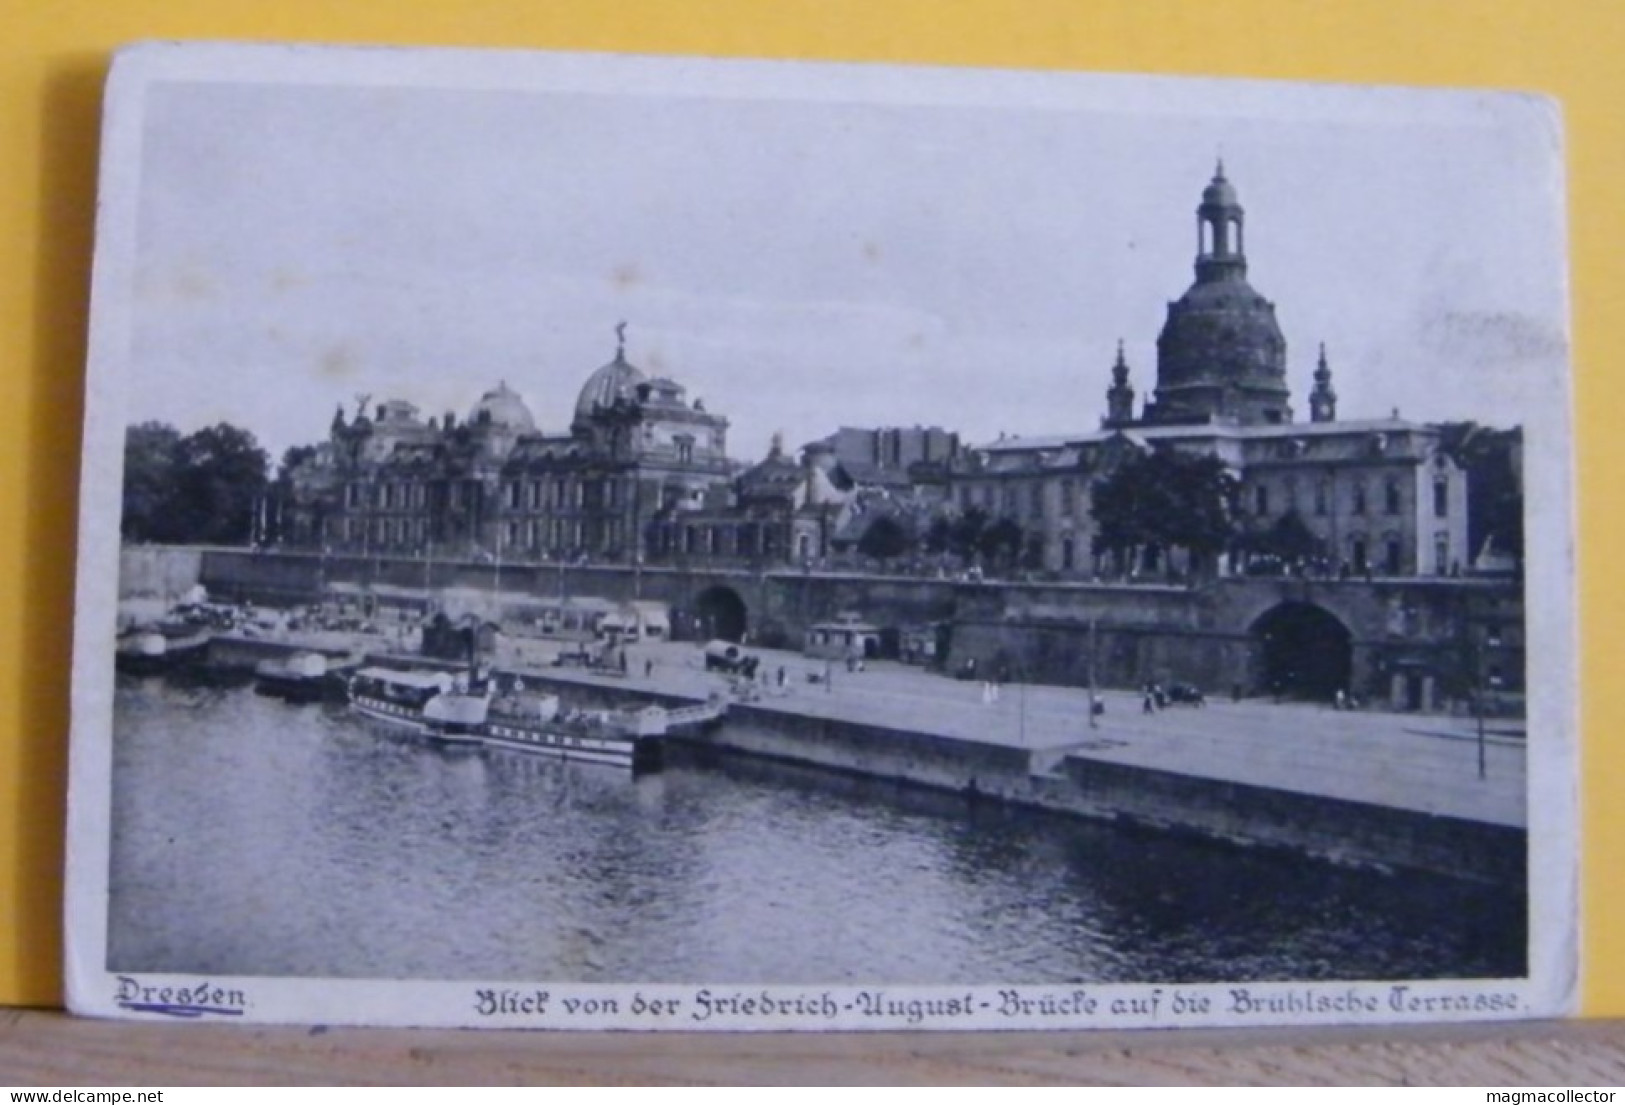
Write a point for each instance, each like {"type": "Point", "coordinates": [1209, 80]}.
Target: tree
{"type": "Point", "coordinates": [885, 539]}
{"type": "Point", "coordinates": [1289, 540]}
{"type": "Point", "coordinates": [292, 457]}
{"type": "Point", "coordinates": [965, 537]}
{"type": "Point", "coordinates": [151, 454]}
{"type": "Point", "coordinates": [219, 484]}
{"type": "Point", "coordinates": [1165, 499]}
{"type": "Point", "coordinates": [1494, 489]}
{"type": "Point", "coordinates": [1001, 542]}
{"type": "Point", "coordinates": [202, 488]}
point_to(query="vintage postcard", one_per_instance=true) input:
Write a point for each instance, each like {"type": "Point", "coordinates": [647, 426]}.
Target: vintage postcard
{"type": "Point", "coordinates": [591, 542]}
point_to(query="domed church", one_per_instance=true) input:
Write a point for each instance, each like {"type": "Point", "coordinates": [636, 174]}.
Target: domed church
{"type": "Point", "coordinates": [1377, 496]}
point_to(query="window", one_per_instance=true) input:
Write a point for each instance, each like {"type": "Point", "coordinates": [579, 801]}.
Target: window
{"type": "Point", "coordinates": [1357, 554]}
{"type": "Point", "coordinates": [1261, 500]}
{"type": "Point", "coordinates": [1441, 498]}
{"type": "Point", "coordinates": [1390, 496]}
{"type": "Point", "coordinates": [1322, 496]}
{"type": "Point", "coordinates": [1068, 492]}
{"type": "Point", "coordinates": [1035, 500]}
{"type": "Point", "coordinates": [1359, 497]}
{"type": "Point", "coordinates": [1392, 564]}
{"type": "Point", "coordinates": [1067, 554]}
{"type": "Point", "coordinates": [1441, 553]}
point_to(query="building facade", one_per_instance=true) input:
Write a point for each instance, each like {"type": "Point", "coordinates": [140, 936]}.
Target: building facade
{"type": "Point", "coordinates": [638, 453]}
{"type": "Point", "coordinates": [1372, 497]}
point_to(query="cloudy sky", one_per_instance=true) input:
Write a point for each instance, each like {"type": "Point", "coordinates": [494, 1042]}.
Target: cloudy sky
{"type": "Point", "coordinates": [807, 247]}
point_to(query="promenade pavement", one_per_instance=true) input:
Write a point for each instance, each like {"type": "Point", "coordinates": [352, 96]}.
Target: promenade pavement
{"type": "Point", "coordinates": [1424, 763]}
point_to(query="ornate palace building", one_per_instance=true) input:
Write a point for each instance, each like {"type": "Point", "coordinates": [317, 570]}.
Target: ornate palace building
{"type": "Point", "coordinates": [638, 453]}
{"type": "Point", "coordinates": [1379, 496]}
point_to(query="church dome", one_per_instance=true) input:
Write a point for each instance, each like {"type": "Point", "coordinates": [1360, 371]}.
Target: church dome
{"type": "Point", "coordinates": [1224, 331]}
{"type": "Point", "coordinates": [501, 406]}
{"type": "Point", "coordinates": [1221, 351]}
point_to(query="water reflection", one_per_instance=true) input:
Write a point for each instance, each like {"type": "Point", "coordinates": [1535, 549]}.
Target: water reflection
{"type": "Point", "coordinates": [254, 837]}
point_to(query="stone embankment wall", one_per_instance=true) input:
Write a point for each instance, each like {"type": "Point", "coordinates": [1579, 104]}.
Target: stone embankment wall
{"type": "Point", "coordinates": [159, 572]}
{"type": "Point", "coordinates": [1208, 635]}
{"type": "Point", "coordinates": [1339, 831]}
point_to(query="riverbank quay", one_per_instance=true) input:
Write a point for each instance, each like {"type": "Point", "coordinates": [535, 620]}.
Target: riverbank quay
{"type": "Point", "coordinates": [1358, 787]}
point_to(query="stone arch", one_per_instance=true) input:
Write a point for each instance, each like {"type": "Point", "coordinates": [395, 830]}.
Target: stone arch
{"type": "Point", "coordinates": [1304, 651]}
{"type": "Point", "coordinates": [722, 613]}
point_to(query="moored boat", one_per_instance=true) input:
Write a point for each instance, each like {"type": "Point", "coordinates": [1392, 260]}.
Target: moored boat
{"type": "Point", "coordinates": [301, 677]}
{"type": "Point", "coordinates": [615, 737]}
{"type": "Point", "coordinates": [452, 709]}
{"type": "Point", "coordinates": [629, 739]}
{"type": "Point", "coordinates": [149, 650]}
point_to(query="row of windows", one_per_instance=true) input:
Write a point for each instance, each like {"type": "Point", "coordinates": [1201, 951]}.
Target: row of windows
{"type": "Point", "coordinates": [516, 494]}
{"type": "Point", "coordinates": [383, 532]}
{"type": "Point", "coordinates": [561, 492]}
{"type": "Point", "coordinates": [1027, 499]}
{"type": "Point", "coordinates": [557, 533]}
{"type": "Point", "coordinates": [724, 540]}
{"type": "Point", "coordinates": [388, 496]}
{"type": "Point", "coordinates": [1393, 498]}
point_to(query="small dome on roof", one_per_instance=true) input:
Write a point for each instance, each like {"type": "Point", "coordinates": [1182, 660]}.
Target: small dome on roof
{"type": "Point", "coordinates": [501, 406]}
{"type": "Point", "coordinates": [1220, 192]}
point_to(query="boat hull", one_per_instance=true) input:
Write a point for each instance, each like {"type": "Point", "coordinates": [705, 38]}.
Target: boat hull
{"type": "Point", "coordinates": [136, 658]}
{"type": "Point", "coordinates": [410, 719]}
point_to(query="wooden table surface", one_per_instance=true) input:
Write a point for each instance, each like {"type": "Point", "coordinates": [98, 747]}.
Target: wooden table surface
{"type": "Point", "coordinates": [49, 1048]}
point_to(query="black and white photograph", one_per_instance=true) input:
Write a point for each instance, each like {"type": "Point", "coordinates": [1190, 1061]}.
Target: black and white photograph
{"type": "Point", "coordinates": [581, 541]}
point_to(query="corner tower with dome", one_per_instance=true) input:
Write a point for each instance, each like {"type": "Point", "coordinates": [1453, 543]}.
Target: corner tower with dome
{"type": "Point", "coordinates": [495, 484]}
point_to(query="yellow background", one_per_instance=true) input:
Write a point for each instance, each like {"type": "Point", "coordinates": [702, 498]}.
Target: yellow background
{"type": "Point", "coordinates": [53, 55]}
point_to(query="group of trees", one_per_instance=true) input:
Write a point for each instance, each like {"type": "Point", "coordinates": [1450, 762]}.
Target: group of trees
{"type": "Point", "coordinates": [977, 536]}
{"type": "Point", "coordinates": [1166, 500]}
{"type": "Point", "coordinates": [970, 537]}
{"type": "Point", "coordinates": [200, 488]}
{"type": "Point", "coordinates": [1495, 501]}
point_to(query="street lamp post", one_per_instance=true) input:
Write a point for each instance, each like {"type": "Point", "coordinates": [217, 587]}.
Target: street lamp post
{"type": "Point", "coordinates": [1093, 720]}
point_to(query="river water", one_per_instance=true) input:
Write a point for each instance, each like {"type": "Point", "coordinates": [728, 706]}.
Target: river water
{"type": "Point", "coordinates": [252, 837]}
